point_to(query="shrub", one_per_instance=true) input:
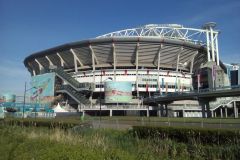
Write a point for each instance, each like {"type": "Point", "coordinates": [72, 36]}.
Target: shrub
{"type": "Point", "coordinates": [189, 135]}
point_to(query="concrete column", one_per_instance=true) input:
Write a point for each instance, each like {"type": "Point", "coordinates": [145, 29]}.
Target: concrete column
{"type": "Point", "coordinates": [203, 111]}
{"type": "Point", "coordinates": [83, 113]}
{"type": "Point", "coordinates": [235, 109]}
{"type": "Point", "coordinates": [147, 112]}
{"type": "Point", "coordinates": [183, 113]}
{"type": "Point", "coordinates": [215, 114]}
{"type": "Point", "coordinates": [212, 115]}
{"type": "Point", "coordinates": [166, 108]}
{"type": "Point", "coordinates": [110, 112]}
{"type": "Point", "coordinates": [236, 112]}
{"type": "Point", "coordinates": [221, 112]}
{"type": "Point", "coordinates": [209, 115]}
{"type": "Point", "coordinates": [161, 110]}
{"type": "Point", "coordinates": [226, 115]}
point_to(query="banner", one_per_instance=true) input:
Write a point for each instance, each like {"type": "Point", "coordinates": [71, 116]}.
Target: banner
{"type": "Point", "coordinates": [43, 88]}
{"type": "Point", "coordinates": [118, 92]}
{"type": "Point", "coordinates": [162, 84]}
{"type": "Point", "coordinates": [198, 81]}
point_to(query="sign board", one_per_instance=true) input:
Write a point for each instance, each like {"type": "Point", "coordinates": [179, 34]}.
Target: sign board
{"type": "Point", "coordinates": [43, 88]}
{"type": "Point", "coordinates": [118, 92]}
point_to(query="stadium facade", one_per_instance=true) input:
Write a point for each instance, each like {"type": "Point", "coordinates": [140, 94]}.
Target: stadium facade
{"type": "Point", "coordinates": [155, 59]}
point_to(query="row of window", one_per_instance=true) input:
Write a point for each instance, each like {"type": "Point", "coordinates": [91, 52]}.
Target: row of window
{"type": "Point", "coordinates": [81, 76]}
{"type": "Point", "coordinates": [150, 86]}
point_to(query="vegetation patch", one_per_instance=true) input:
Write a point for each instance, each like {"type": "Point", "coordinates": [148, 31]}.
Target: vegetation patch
{"type": "Point", "coordinates": [187, 135]}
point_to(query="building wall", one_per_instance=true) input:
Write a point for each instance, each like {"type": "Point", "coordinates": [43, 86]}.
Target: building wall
{"type": "Point", "coordinates": [146, 79]}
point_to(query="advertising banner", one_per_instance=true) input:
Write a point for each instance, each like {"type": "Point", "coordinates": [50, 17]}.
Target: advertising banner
{"type": "Point", "coordinates": [118, 92]}
{"type": "Point", "coordinates": [43, 88]}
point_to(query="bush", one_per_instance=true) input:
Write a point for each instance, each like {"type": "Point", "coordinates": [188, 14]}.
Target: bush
{"type": "Point", "coordinates": [189, 135]}
{"type": "Point", "coordinates": [44, 123]}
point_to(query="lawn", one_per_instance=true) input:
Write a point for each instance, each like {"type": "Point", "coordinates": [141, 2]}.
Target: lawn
{"type": "Point", "coordinates": [20, 142]}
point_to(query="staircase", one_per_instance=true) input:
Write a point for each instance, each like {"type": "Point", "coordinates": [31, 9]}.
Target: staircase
{"type": "Point", "coordinates": [71, 81]}
{"type": "Point", "coordinates": [222, 102]}
{"type": "Point", "coordinates": [73, 88]}
{"type": "Point", "coordinates": [77, 96]}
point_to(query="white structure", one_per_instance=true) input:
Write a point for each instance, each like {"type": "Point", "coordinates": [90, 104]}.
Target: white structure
{"type": "Point", "coordinates": [155, 58]}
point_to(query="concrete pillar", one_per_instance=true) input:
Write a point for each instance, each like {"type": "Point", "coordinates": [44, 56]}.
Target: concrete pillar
{"type": "Point", "coordinates": [161, 110]}
{"type": "Point", "coordinates": [215, 114]}
{"type": "Point", "coordinates": [235, 109]}
{"type": "Point", "coordinates": [183, 113]}
{"type": "Point", "coordinates": [147, 112]}
{"type": "Point", "coordinates": [110, 112]}
{"type": "Point", "coordinates": [212, 114]}
{"type": "Point", "coordinates": [209, 115]}
{"type": "Point", "coordinates": [166, 108]}
{"type": "Point", "coordinates": [221, 112]}
{"type": "Point", "coordinates": [226, 115]}
{"type": "Point", "coordinates": [83, 113]}
{"type": "Point", "coordinates": [236, 112]}
{"type": "Point", "coordinates": [203, 111]}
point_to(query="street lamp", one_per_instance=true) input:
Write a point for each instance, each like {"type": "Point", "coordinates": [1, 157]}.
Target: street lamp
{"type": "Point", "coordinates": [24, 96]}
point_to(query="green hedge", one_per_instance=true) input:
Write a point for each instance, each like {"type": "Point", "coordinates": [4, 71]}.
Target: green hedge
{"type": "Point", "coordinates": [43, 123]}
{"type": "Point", "coordinates": [187, 135]}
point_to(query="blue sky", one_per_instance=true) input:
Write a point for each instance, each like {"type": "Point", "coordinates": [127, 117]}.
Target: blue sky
{"type": "Point", "coordinates": [28, 26]}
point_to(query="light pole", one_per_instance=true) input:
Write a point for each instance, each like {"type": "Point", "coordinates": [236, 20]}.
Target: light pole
{"type": "Point", "coordinates": [24, 97]}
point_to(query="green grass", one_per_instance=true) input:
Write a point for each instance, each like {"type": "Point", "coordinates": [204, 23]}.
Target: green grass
{"type": "Point", "coordinates": [18, 143]}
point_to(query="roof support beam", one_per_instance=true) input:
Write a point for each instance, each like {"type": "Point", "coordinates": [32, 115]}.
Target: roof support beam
{"type": "Point", "coordinates": [178, 57]}
{"type": "Point", "coordinates": [192, 62]}
{"type": "Point", "coordinates": [75, 64]}
{"type": "Point", "coordinates": [39, 65]}
{"type": "Point", "coordinates": [159, 55]}
{"type": "Point", "coordinates": [61, 60]}
{"type": "Point", "coordinates": [93, 62]}
{"type": "Point", "coordinates": [114, 60]}
{"type": "Point", "coordinates": [158, 66]}
{"type": "Point", "coordinates": [76, 57]}
{"type": "Point", "coordinates": [50, 62]}
{"type": "Point", "coordinates": [34, 73]}
{"type": "Point", "coordinates": [94, 56]}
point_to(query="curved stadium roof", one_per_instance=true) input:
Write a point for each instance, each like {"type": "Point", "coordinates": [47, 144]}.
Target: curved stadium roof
{"type": "Point", "coordinates": [170, 40]}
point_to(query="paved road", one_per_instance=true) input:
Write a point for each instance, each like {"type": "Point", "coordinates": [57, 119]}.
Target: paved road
{"type": "Point", "coordinates": [121, 125]}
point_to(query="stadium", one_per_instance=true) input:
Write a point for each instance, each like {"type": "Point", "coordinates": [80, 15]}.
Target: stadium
{"type": "Point", "coordinates": [115, 71]}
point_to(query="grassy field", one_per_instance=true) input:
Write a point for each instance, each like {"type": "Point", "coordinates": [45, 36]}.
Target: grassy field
{"type": "Point", "coordinates": [18, 143]}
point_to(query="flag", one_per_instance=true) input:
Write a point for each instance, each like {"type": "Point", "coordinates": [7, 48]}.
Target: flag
{"type": "Point", "coordinates": [168, 73]}
{"type": "Point", "coordinates": [147, 71]}
{"type": "Point", "coordinates": [183, 74]}
{"type": "Point", "coordinates": [103, 73]}
{"type": "Point", "coordinates": [146, 87]}
{"type": "Point", "coordinates": [162, 84]}
{"type": "Point", "coordinates": [166, 87]}
{"type": "Point", "coordinates": [125, 72]}
{"type": "Point", "coordinates": [179, 84]}
{"type": "Point", "coordinates": [198, 80]}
